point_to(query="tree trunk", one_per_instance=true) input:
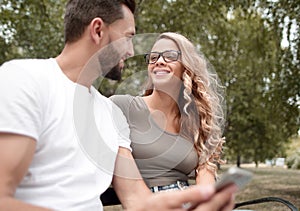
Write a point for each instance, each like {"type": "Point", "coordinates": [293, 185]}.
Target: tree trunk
{"type": "Point", "coordinates": [238, 161]}
{"type": "Point", "coordinates": [256, 164]}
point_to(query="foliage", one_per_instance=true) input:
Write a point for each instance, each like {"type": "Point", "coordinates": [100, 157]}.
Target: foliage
{"type": "Point", "coordinates": [241, 39]}
{"type": "Point", "coordinates": [31, 28]}
{"type": "Point", "coordinates": [293, 161]}
{"type": "Point", "coordinates": [243, 42]}
{"type": "Point", "coordinates": [293, 153]}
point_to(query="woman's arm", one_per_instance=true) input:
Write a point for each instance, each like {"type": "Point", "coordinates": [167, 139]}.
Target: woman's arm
{"type": "Point", "coordinates": [205, 177]}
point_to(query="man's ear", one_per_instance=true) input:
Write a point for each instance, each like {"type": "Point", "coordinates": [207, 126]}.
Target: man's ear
{"type": "Point", "coordinates": [96, 29]}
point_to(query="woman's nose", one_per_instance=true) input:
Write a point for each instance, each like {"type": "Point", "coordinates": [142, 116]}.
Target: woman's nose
{"type": "Point", "coordinates": [160, 60]}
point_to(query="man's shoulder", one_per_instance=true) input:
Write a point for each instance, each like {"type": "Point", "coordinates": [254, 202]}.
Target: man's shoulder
{"type": "Point", "coordinates": [26, 64]}
{"type": "Point", "coordinates": [29, 74]}
{"type": "Point", "coordinates": [28, 61]}
{"type": "Point", "coordinates": [102, 100]}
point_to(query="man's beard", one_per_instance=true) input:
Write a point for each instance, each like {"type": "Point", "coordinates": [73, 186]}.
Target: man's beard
{"type": "Point", "coordinates": [108, 57]}
{"type": "Point", "coordinates": [115, 73]}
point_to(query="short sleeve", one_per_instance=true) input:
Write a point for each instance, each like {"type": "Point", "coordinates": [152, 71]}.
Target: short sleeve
{"type": "Point", "coordinates": [122, 127]}
{"type": "Point", "coordinates": [19, 105]}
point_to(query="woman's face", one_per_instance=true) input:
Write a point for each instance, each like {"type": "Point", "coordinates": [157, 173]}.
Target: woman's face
{"type": "Point", "coordinates": [163, 72]}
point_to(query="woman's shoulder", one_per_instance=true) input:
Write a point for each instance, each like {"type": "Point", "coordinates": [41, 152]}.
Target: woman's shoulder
{"type": "Point", "coordinates": [121, 99]}
{"type": "Point", "coordinates": [129, 103]}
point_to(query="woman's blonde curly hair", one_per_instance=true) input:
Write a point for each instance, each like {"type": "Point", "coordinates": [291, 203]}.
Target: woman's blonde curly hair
{"type": "Point", "coordinates": [201, 103]}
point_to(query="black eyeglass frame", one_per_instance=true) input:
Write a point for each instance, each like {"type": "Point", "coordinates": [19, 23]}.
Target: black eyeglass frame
{"type": "Point", "coordinates": [161, 54]}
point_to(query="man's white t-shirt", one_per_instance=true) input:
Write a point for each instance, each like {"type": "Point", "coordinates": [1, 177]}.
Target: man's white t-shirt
{"type": "Point", "coordinates": [77, 130]}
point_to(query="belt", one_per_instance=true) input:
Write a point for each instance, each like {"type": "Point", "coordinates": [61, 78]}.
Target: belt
{"type": "Point", "coordinates": [179, 185]}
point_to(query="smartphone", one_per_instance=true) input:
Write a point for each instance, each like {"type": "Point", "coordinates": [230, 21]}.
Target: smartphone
{"type": "Point", "coordinates": [234, 175]}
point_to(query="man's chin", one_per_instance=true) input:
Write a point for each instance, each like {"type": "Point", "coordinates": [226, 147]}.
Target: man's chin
{"type": "Point", "coordinates": [114, 74]}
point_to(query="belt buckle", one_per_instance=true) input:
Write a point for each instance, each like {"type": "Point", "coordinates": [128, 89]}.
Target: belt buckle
{"type": "Point", "coordinates": [181, 185]}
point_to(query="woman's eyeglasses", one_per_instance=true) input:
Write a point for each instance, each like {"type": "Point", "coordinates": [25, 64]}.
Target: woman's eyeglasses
{"type": "Point", "coordinates": [168, 56]}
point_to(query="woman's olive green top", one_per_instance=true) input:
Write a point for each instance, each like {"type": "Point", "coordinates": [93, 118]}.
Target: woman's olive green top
{"type": "Point", "coordinates": [162, 157]}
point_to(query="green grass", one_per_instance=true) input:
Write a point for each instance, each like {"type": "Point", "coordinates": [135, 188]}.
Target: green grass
{"type": "Point", "coordinates": [271, 181]}
{"type": "Point", "coordinates": [267, 181]}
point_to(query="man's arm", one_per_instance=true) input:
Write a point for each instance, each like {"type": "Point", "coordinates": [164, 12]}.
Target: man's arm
{"type": "Point", "coordinates": [16, 153]}
{"type": "Point", "coordinates": [198, 198]}
{"type": "Point", "coordinates": [127, 181]}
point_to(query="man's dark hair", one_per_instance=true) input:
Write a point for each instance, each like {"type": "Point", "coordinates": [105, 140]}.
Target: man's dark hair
{"type": "Point", "coordinates": [79, 14]}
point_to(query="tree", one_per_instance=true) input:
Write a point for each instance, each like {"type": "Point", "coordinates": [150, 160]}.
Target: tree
{"type": "Point", "coordinates": [31, 29]}
{"type": "Point", "coordinates": [242, 40]}
{"type": "Point", "coordinates": [249, 67]}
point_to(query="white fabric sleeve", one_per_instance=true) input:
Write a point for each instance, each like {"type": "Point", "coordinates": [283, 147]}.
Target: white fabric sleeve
{"type": "Point", "coordinates": [122, 127]}
{"type": "Point", "coordinates": [20, 111]}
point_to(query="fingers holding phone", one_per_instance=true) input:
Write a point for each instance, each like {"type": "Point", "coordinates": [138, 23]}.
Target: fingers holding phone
{"type": "Point", "coordinates": [230, 182]}
{"type": "Point", "coordinates": [234, 175]}
{"type": "Point", "coordinates": [222, 200]}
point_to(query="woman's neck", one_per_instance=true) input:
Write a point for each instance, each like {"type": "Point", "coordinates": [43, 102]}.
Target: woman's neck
{"type": "Point", "coordinates": [164, 111]}
{"type": "Point", "coordinates": [163, 102]}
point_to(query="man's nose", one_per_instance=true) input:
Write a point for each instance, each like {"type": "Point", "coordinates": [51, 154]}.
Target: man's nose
{"type": "Point", "coordinates": [129, 49]}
